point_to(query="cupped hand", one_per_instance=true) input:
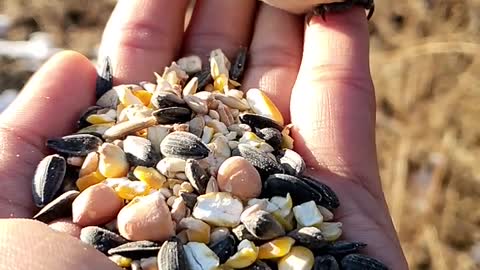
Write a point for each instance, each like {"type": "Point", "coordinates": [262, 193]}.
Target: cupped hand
{"type": "Point", "coordinates": [318, 75]}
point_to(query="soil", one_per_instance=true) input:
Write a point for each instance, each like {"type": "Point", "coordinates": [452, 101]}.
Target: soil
{"type": "Point", "coordinates": [425, 61]}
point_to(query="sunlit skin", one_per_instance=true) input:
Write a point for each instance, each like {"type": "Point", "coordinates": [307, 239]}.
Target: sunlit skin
{"type": "Point", "coordinates": [317, 74]}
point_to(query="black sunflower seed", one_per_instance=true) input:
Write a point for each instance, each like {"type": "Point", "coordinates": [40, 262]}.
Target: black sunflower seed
{"type": "Point", "coordinates": [342, 248]}
{"type": "Point", "coordinates": [204, 78]}
{"type": "Point", "coordinates": [172, 115]}
{"type": "Point", "coordinates": [162, 100]}
{"type": "Point", "coordinates": [196, 175]}
{"type": "Point", "coordinates": [172, 256]}
{"type": "Point", "coordinates": [282, 184]}
{"type": "Point", "coordinates": [184, 145]}
{"type": "Point", "coordinates": [140, 151]}
{"type": "Point", "coordinates": [101, 239]}
{"type": "Point", "coordinates": [309, 237]}
{"type": "Point", "coordinates": [361, 262]}
{"type": "Point", "coordinates": [224, 248]}
{"type": "Point", "coordinates": [59, 208]}
{"type": "Point", "coordinates": [104, 78]}
{"type": "Point", "coordinates": [271, 136]}
{"type": "Point", "coordinates": [263, 225]}
{"type": "Point", "coordinates": [238, 67]}
{"type": "Point", "coordinates": [257, 121]}
{"type": "Point", "coordinates": [75, 145]}
{"type": "Point", "coordinates": [261, 161]}
{"type": "Point", "coordinates": [329, 198]}
{"type": "Point", "coordinates": [326, 262]}
{"type": "Point", "coordinates": [136, 250]}
{"type": "Point", "coordinates": [48, 179]}
{"type": "Point", "coordinates": [291, 162]}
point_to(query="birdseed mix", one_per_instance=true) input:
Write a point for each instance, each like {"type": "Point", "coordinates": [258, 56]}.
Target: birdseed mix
{"type": "Point", "coordinates": [188, 172]}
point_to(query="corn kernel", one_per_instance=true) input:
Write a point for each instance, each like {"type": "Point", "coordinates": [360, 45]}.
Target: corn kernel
{"type": "Point", "coordinates": [261, 104]}
{"type": "Point", "coordinates": [287, 140]}
{"type": "Point", "coordinates": [149, 176]}
{"type": "Point", "coordinates": [113, 161]}
{"type": "Point", "coordinates": [90, 164]}
{"type": "Point", "coordinates": [96, 119]}
{"type": "Point", "coordinates": [144, 96]}
{"type": "Point", "coordinates": [89, 180]}
{"type": "Point", "coordinates": [220, 82]}
{"type": "Point", "coordinates": [246, 255]}
{"type": "Point", "coordinates": [331, 231]}
{"type": "Point", "coordinates": [197, 230]}
{"type": "Point", "coordinates": [299, 258]}
{"type": "Point", "coordinates": [126, 96]}
{"type": "Point", "coordinates": [120, 260]}
{"type": "Point", "coordinates": [276, 248]}
{"type": "Point", "coordinates": [250, 138]}
{"type": "Point", "coordinates": [131, 189]}
{"type": "Point", "coordinates": [286, 221]}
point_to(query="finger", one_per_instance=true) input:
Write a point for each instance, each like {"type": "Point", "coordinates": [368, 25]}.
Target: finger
{"type": "Point", "coordinates": [219, 24]}
{"type": "Point", "coordinates": [143, 37]}
{"type": "Point", "coordinates": [275, 55]}
{"type": "Point", "coordinates": [27, 244]}
{"type": "Point", "coordinates": [333, 103]}
{"type": "Point", "coordinates": [48, 106]}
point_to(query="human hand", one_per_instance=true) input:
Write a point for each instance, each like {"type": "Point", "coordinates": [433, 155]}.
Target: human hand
{"type": "Point", "coordinates": [332, 107]}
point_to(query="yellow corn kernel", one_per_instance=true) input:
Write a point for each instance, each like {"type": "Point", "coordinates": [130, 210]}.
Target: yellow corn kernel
{"type": "Point", "coordinates": [299, 258]}
{"type": "Point", "coordinates": [250, 137]}
{"type": "Point", "coordinates": [96, 119]}
{"type": "Point", "coordinates": [331, 231]}
{"type": "Point", "coordinates": [112, 161]}
{"type": "Point", "coordinates": [149, 176]}
{"type": "Point", "coordinates": [246, 255]}
{"type": "Point", "coordinates": [276, 248]}
{"type": "Point", "coordinates": [90, 164]}
{"type": "Point", "coordinates": [220, 82]}
{"type": "Point", "coordinates": [126, 96]}
{"type": "Point", "coordinates": [144, 96]}
{"type": "Point", "coordinates": [285, 221]}
{"type": "Point", "coordinates": [89, 180]}
{"type": "Point", "coordinates": [131, 189]}
{"type": "Point", "coordinates": [261, 104]}
{"type": "Point", "coordinates": [120, 260]}
{"type": "Point", "coordinates": [233, 84]}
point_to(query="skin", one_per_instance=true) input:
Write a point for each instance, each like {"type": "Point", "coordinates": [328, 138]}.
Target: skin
{"type": "Point", "coordinates": [318, 74]}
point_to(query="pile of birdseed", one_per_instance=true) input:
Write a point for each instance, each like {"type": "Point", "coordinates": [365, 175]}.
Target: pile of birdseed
{"type": "Point", "coordinates": [190, 173]}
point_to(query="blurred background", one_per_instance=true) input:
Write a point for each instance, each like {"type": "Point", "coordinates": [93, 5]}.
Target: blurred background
{"type": "Point", "coordinates": [426, 68]}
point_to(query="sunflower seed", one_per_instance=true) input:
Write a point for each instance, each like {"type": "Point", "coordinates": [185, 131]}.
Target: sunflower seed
{"type": "Point", "coordinates": [104, 78]}
{"type": "Point", "coordinates": [196, 126]}
{"type": "Point", "coordinates": [59, 208]}
{"type": "Point", "coordinates": [156, 134]}
{"type": "Point", "coordinates": [329, 198]}
{"type": "Point", "coordinates": [48, 179]}
{"type": "Point", "coordinates": [101, 239]}
{"type": "Point", "coordinates": [82, 121]}
{"type": "Point", "coordinates": [75, 145]}
{"type": "Point", "coordinates": [136, 250]}
{"type": "Point", "coordinates": [162, 100]}
{"type": "Point", "coordinates": [282, 184]}
{"type": "Point", "coordinates": [257, 121]}
{"type": "Point", "coordinates": [204, 78]}
{"type": "Point", "coordinates": [191, 87]}
{"type": "Point", "coordinates": [232, 102]}
{"type": "Point", "coordinates": [292, 162]}
{"type": "Point", "coordinates": [263, 163]}
{"type": "Point", "coordinates": [196, 175]}
{"type": "Point", "coordinates": [139, 151]}
{"type": "Point", "coordinates": [309, 237]}
{"type": "Point", "coordinates": [361, 262]}
{"type": "Point", "coordinates": [190, 199]}
{"type": "Point", "coordinates": [272, 136]}
{"type": "Point", "coordinates": [197, 104]}
{"type": "Point", "coordinates": [342, 248]}
{"type": "Point", "coordinates": [172, 256]}
{"type": "Point", "coordinates": [263, 225]}
{"type": "Point", "coordinates": [326, 262]}
{"type": "Point", "coordinates": [238, 67]}
{"type": "Point", "coordinates": [224, 248]}
{"type": "Point", "coordinates": [183, 145]}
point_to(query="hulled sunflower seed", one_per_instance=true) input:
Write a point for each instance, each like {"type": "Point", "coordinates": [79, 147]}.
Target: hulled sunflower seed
{"type": "Point", "coordinates": [48, 179]}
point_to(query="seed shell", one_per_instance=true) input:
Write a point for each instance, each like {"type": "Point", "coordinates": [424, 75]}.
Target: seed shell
{"type": "Point", "coordinates": [329, 198]}
{"type": "Point", "coordinates": [136, 250]}
{"type": "Point", "coordinates": [172, 256]}
{"type": "Point", "coordinates": [204, 78]}
{"type": "Point", "coordinates": [59, 208]}
{"type": "Point", "coordinates": [184, 145]}
{"type": "Point", "coordinates": [172, 115]}
{"type": "Point", "coordinates": [82, 121]}
{"type": "Point", "coordinates": [361, 262]}
{"type": "Point", "coordinates": [258, 121]}
{"type": "Point", "coordinates": [238, 67]}
{"type": "Point", "coordinates": [196, 175]}
{"type": "Point", "coordinates": [163, 99]}
{"type": "Point", "coordinates": [241, 233]}
{"type": "Point", "coordinates": [224, 248]}
{"type": "Point", "coordinates": [309, 237]}
{"type": "Point", "coordinates": [272, 136]}
{"type": "Point", "coordinates": [261, 161]}
{"type": "Point", "coordinates": [263, 225]}
{"type": "Point", "coordinates": [101, 239]}
{"type": "Point", "coordinates": [326, 262]}
{"type": "Point", "coordinates": [48, 179]}
{"type": "Point", "coordinates": [282, 184]}
{"type": "Point", "coordinates": [104, 78]}
{"type": "Point", "coordinates": [292, 162]}
{"type": "Point", "coordinates": [75, 145]}
{"type": "Point", "coordinates": [342, 248]}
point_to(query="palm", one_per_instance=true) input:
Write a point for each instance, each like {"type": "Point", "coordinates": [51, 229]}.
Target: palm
{"type": "Point", "coordinates": [331, 104]}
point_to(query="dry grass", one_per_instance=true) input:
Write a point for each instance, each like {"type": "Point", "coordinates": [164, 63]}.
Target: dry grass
{"type": "Point", "coordinates": [425, 63]}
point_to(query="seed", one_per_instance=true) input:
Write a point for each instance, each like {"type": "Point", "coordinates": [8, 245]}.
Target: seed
{"type": "Point", "coordinates": [292, 162]}
{"type": "Point", "coordinates": [276, 248]}
{"type": "Point", "coordinates": [128, 190]}
{"type": "Point", "coordinates": [258, 265]}
{"type": "Point", "coordinates": [309, 237]}
{"type": "Point", "coordinates": [207, 134]}
{"type": "Point", "coordinates": [217, 126]}
{"type": "Point", "coordinates": [245, 256]}
{"type": "Point", "coordinates": [204, 78]}
{"type": "Point", "coordinates": [139, 151]}
{"type": "Point", "coordinates": [129, 127]}
{"type": "Point", "coordinates": [183, 145]}
{"type": "Point", "coordinates": [232, 102]}
{"type": "Point", "coordinates": [96, 130]}
{"type": "Point", "coordinates": [48, 179]}
{"type": "Point", "coordinates": [82, 121]}
{"type": "Point", "coordinates": [179, 209]}
{"type": "Point", "coordinates": [172, 256]}
{"type": "Point", "coordinates": [224, 248]}
{"type": "Point", "coordinates": [343, 248]}
{"type": "Point", "coordinates": [89, 180]}
{"type": "Point", "coordinates": [96, 205]}
{"type": "Point", "coordinates": [112, 161]}
{"type": "Point", "coordinates": [196, 126]}
{"type": "Point", "coordinates": [156, 134]}
{"type": "Point", "coordinates": [190, 64]}
{"type": "Point", "coordinates": [327, 214]}
{"type": "Point", "coordinates": [263, 225]}
{"type": "Point", "coordinates": [104, 80]}
{"type": "Point", "coordinates": [171, 200]}
{"type": "Point", "coordinates": [237, 176]}
{"type": "Point", "coordinates": [219, 64]}
{"type": "Point", "coordinates": [197, 230]}
{"type": "Point", "coordinates": [59, 208]}
{"type": "Point", "coordinates": [238, 67]}
{"type": "Point", "coordinates": [197, 104]}
{"type": "Point", "coordinates": [331, 231]}
{"type": "Point", "coordinates": [225, 115]}
{"type": "Point", "coordinates": [163, 99]}
{"type": "Point", "coordinates": [261, 104]}
{"type": "Point", "coordinates": [90, 164]}
{"type": "Point", "coordinates": [258, 121]}
{"type": "Point", "coordinates": [149, 263]}
{"type": "Point", "coordinates": [307, 214]}
{"type": "Point", "coordinates": [329, 198]}
{"type": "Point", "coordinates": [126, 96]}
{"type": "Point", "coordinates": [326, 262]}
{"type": "Point", "coordinates": [108, 100]}
{"type": "Point", "coordinates": [134, 111]}
{"type": "Point", "coordinates": [120, 260]}
{"type": "Point", "coordinates": [272, 136]}
{"type": "Point", "coordinates": [75, 145]}
{"type": "Point", "coordinates": [100, 119]}
{"type": "Point", "coordinates": [101, 239]}
{"type": "Point", "coordinates": [263, 163]}
{"type": "Point", "coordinates": [241, 233]}
{"type": "Point", "coordinates": [146, 218]}
{"type": "Point", "coordinates": [282, 184]}
{"type": "Point", "coordinates": [136, 250]}
{"type": "Point", "coordinates": [149, 176]}
{"type": "Point", "coordinates": [299, 258]}
{"type": "Point", "coordinates": [359, 261]}
{"type": "Point", "coordinates": [190, 199]}
{"type": "Point", "coordinates": [219, 147]}
{"type": "Point", "coordinates": [220, 83]}
{"type": "Point", "coordinates": [200, 257]}
{"type": "Point", "coordinates": [219, 209]}
{"type": "Point", "coordinates": [172, 115]}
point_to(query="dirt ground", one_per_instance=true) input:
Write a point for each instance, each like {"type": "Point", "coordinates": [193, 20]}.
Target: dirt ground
{"type": "Point", "coordinates": [425, 63]}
